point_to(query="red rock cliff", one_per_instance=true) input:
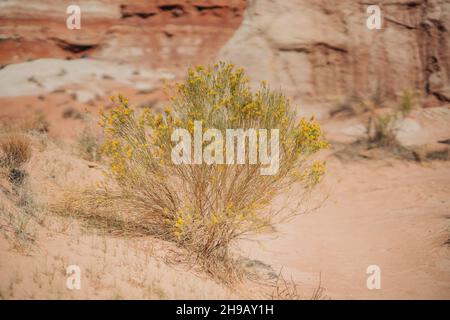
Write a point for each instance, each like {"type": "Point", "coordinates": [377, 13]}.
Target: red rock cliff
{"type": "Point", "coordinates": [159, 33]}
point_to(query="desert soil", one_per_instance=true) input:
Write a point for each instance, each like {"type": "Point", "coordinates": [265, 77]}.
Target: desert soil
{"type": "Point", "coordinates": [390, 213]}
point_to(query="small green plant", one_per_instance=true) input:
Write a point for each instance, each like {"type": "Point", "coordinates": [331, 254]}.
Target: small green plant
{"type": "Point", "coordinates": [407, 102]}
{"type": "Point", "coordinates": [382, 129]}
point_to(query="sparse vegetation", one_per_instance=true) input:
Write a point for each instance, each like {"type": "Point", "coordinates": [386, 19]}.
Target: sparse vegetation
{"type": "Point", "coordinates": [382, 129]}
{"type": "Point", "coordinates": [18, 207]}
{"type": "Point", "coordinates": [15, 151]}
{"type": "Point", "coordinates": [19, 216]}
{"type": "Point", "coordinates": [382, 126]}
{"type": "Point", "coordinates": [288, 290]}
{"type": "Point", "coordinates": [13, 224]}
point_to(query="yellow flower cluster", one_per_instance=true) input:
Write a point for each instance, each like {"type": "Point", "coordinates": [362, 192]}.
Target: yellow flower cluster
{"type": "Point", "coordinates": [117, 117]}
{"type": "Point", "coordinates": [309, 136]}
{"type": "Point", "coordinates": [183, 221]}
{"type": "Point", "coordinates": [317, 171]}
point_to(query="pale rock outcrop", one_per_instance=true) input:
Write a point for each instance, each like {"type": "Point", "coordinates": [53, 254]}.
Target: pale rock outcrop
{"type": "Point", "coordinates": [43, 76]}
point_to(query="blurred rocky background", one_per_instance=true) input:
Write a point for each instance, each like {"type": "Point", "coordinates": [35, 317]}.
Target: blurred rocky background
{"type": "Point", "coordinates": [319, 52]}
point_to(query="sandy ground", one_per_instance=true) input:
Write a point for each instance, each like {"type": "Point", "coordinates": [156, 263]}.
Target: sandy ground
{"type": "Point", "coordinates": [390, 213]}
{"type": "Point", "coordinates": [110, 268]}
{"type": "Point", "coordinates": [387, 213]}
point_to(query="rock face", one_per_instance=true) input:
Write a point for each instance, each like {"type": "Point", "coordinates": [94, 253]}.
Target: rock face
{"type": "Point", "coordinates": [158, 33]}
{"type": "Point", "coordinates": [320, 49]}
{"type": "Point", "coordinates": [315, 50]}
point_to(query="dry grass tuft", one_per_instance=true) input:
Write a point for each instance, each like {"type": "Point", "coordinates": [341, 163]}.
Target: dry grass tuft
{"type": "Point", "coordinates": [15, 224]}
{"type": "Point", "coordinates": [104, 209]}
{"type": "Point", "coordinates": [382, 125]}
{"type": "Point", "coordinates": [382, 128]}
{"type": "Point", "coordinates": [89, 143]}
{"type": "Point", "coordinates": [19, 217]}
{"type": "Point", "coordinates": [15, 151]}
{"type": "Point", "coordinates": [35, 123]}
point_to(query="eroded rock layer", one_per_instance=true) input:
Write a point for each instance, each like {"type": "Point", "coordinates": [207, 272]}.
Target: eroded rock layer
{"type": "Point", "coordinates": [321, 49]}
{"type": "Point", "coordinates": [159, 33]}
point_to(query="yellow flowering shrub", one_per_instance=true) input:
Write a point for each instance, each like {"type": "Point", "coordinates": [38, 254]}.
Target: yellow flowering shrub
{"type": "Point", "coordinates": [206, 207]}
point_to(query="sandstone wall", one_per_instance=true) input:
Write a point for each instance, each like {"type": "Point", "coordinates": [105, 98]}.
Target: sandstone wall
{"type": "Point", "coordinates": [320, 49]}
{"type": "Point", "coordinates": [313, 49]}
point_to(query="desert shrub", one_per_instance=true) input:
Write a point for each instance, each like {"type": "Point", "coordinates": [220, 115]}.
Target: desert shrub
{"type": "Point", "coordinates": [382, 128]}
{"type": "Point", "coordinates": [202, 207]}
{"type": "Point", "coordinates": [15, 150]}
